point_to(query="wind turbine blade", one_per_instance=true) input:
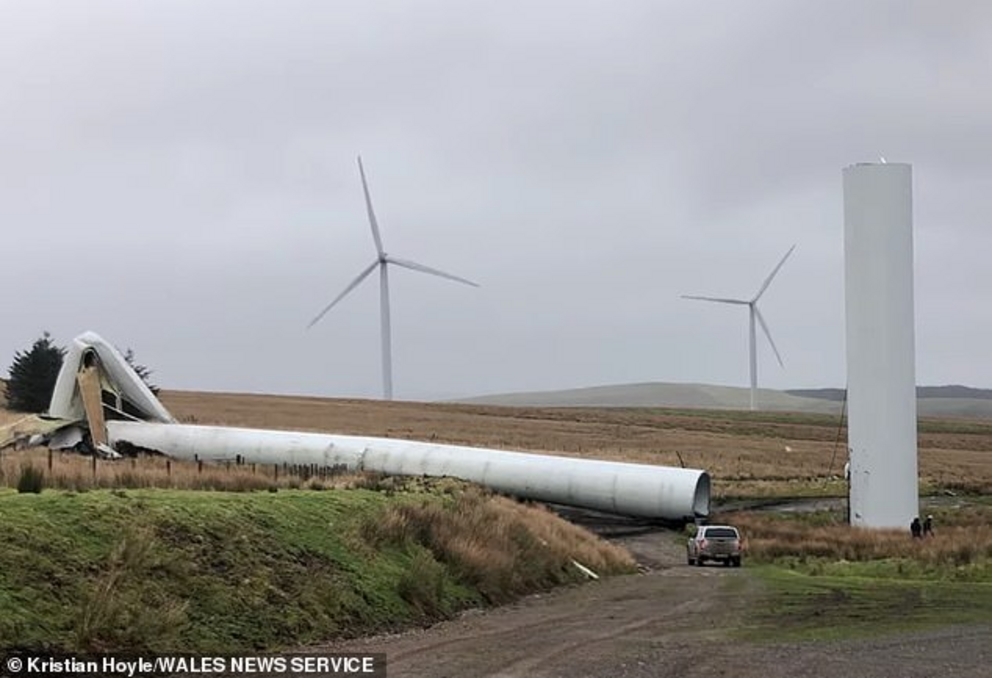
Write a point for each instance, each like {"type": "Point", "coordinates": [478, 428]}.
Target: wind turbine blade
{"type": "Point", "coordinates": [768, 280]}
{"type": "Point", "coordinates": [764, 327]}
{"type": "Point", "coordinates": [719, 300]}
{"type": "Point", "coordinates": [414, 266]}
{"type": "Point", "coordinates": [368, 206]}
{"type": "Point", "coordinates": [354, 283]}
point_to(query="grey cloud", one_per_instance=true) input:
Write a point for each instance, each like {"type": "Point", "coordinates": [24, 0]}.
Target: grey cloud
{"type": "Point", "coordinates": [587, 162]}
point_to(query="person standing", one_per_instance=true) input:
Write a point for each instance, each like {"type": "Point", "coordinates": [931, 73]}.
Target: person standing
{"type": "Point", "coordinates": [928, 526]}
{"type": "Point", "coordinates": [916, 528]}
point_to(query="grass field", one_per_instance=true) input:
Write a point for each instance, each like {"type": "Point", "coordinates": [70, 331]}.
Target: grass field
{"type": "Point", "coordinates": [798, 606]}
{"type": "Point", "coordinates": [826, 580]}
{"type": "Point", "coordinates": [169, 570]}
{"type": "Point", "coordinates": [749, 454]}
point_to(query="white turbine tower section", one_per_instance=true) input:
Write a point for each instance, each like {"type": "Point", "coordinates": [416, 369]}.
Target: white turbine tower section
{"type": "Point", "coordinates": [754, 315]}
{"type": "Point", "coordinates": [634, 489]}
{"type": "Point", "coordinates": [677, 494]}
{"type": "Point", "coordinates": [881, 352]}
{"type": "Point", "coordinates": [67, 400]}
{"type": "Point", "coordinates": [382, 262]}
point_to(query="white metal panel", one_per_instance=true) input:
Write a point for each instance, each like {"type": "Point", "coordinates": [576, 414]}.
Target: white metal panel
{"type": "Point", "coordinates": [66, 403]}
{"type": "Point", "coordinates": [629, 489]}
{"type": "Point", "coordinates": [881, 371]}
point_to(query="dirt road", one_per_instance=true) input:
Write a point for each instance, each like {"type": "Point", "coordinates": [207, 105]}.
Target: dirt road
{"type": "Point", "coordinates": [672, 620]}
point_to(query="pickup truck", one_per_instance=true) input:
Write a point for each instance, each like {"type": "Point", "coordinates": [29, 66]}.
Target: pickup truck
{"type": "Point", "coordinates": [715, 542]}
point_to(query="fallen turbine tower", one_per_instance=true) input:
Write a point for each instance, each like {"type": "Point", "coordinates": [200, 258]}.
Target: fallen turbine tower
{"type": "Point", "coordinates": [139, 421]}
{"type": "Point", "coordinates": [629, 489]}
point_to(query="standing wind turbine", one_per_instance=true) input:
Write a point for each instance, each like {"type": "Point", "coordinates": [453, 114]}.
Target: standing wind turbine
{"type": "Point", "coordinates": [382, 262]}
{"type": "Point", "coordinates": [753, 313]}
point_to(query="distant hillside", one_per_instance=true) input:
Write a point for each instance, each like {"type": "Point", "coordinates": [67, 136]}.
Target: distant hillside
{"type": "Point", "coordinates": [934, 401]}
{"type": "Point", "coordinates": [953, 391]}
{"type": "Point", "coordinates": [835, 394]}
{"type": "Point", "coordinates": [660, 394]}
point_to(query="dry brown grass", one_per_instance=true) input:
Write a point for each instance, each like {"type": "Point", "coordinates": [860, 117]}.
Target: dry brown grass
{"type": "Point", "coordinates": [8, 417]}
{"type": "Point", "coordinates": [962, 537]}
{"type": "Point", "coordinates": [501, 547]}
{"type": "Point", "coordinates": [70, 471]}
{"type": "Point", "coordinates": [743, 451]}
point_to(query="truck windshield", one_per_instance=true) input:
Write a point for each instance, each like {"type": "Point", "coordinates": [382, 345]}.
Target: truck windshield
{"type": "Point", "coordinates": [721, 532]}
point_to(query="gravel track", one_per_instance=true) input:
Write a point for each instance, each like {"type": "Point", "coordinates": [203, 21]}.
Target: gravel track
{"type": "Point", "coordinates": [671, 620]}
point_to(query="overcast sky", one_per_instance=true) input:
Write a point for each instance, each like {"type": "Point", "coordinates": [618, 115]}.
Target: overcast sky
{"type": "Point", "coordinates": [180, 177]}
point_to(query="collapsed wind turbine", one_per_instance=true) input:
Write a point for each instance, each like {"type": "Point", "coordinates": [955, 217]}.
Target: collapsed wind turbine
{"type": "Point", "coordinates": [382, 261]}
{"type": "Point", "coordinates": [102, 405]}
{"type": "Point", "coordinates": [753, 312]}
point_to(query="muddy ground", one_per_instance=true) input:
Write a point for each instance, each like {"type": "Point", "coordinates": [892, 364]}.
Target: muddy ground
{"type": "Point", "coordinates": [670, 620]}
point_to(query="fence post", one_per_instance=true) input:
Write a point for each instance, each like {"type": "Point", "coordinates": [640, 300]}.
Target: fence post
{"type": "Point", "coordinates": [49, 460]}
{"type": "Point", "coordinates": [199, 466]}
{"type": "Point", "coordinates": [93, 463]}
{"type": "Point", "coordinates": [168, 467]}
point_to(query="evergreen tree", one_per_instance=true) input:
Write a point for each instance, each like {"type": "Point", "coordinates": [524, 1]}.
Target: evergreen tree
{"type": "Point", "coordinates": [33, 374]}
{"type": "Point", "coordinates": [141, 370]}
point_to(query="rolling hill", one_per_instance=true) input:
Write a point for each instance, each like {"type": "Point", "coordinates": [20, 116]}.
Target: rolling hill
{"type": "Point", "coordinates": [933, 401]}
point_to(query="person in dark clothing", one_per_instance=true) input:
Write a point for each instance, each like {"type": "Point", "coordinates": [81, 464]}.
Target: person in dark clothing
{"type": "Point", "coordinates": [916, 528]}
{"type": "Point", "coordinates": [928, 526]}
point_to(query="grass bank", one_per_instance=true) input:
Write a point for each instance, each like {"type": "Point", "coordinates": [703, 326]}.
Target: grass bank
{"type": "Point", "coordinates": [825, 579]}
{"type": "Point", "coordinates": [801, 606]}
{"type": "Point", "coordinates": [168, 570]}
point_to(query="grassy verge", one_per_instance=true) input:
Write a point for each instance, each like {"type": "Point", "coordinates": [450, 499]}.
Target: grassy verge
{"type": "Point", "coordinates": [821, 543]}
{"type": "Point", "coordinates": [801, 606]}
{"type": "Point", "coordinates": [824, 579]}
{"type": "Point", "coordinates": [169, 570]}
